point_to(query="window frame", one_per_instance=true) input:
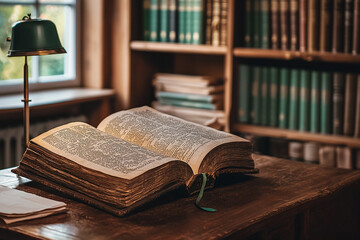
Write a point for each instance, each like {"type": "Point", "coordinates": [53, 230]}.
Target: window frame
{"type": "Point", "coordinates": [49, 82]}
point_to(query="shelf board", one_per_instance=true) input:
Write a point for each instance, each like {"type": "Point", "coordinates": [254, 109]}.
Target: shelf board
{"type": "Point", "coordinates": [297, 135]}
{"type": "Point", "coordinates": [296, 55]}
{"type": "Point", "coordinates": [177, 48]}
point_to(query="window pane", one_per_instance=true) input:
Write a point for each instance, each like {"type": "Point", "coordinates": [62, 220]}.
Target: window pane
{"type": "Point", "coordinates": [58, 1]}
{"type": "Point", "coordinates": [11, 67]}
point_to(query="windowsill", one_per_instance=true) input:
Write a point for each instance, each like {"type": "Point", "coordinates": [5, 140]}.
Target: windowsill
{"type": "Point", "coordinates": [53, 98]}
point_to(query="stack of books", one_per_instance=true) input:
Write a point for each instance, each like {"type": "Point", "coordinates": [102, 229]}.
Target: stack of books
{"type": "Point", "coordinates": [195, 98]}
{"type": "Point", "coordinates": [185, 21]}
{"type": "Point", "coordinates": [299, 99]}
{"type": "Point", "coordinates": [305, 25]}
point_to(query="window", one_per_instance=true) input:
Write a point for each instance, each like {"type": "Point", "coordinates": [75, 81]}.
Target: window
{"type": "Point", "coordinates": [44, 71]}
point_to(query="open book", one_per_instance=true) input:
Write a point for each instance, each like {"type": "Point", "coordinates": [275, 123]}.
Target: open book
{"type": "Point", "coordinates": [132, 157]}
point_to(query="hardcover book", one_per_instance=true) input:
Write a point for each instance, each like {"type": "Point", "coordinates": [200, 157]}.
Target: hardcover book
{"type": "Point", "coordinates": [131, 158]}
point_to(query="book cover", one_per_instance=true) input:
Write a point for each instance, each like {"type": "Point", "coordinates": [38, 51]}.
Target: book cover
{"type": "Point", "coordinates": [265, 96]}
{"type": "Point", "coordinates": [313, 26]}
{"type": "Point", "coordinates": [265, 24]}
{"type": "Point", "coordinates": [294, 99]}
{"type": "Point", "coordinates": [284, 98]}
{"type": "Point", "coordinates": [256, 95]}
{"type": "Point", "coordinates": [154, 20]}
{"type": "Point", "coordinates": [304, 101]}
{"type": "Point", "coordinates": [274, 97]}
{"type": "Point", "coordinates": [294, 25]}
{"type": "Point", "coordinates": [249, 30]}
{"type": "Point", "coordinates": [338, 103]}
{"type": "Point", "coordinates": [164, 17]}
{"type": "Point", "coordinates": [146, 20]}
{"type": "Point", "coordinates": [325, 25]}
{"type": "Point", "coordinates": [349, 104]}
{"type": "Point", "coordinates": [191, 97]}
{"type": "Point", "coordinates": [275, 29]}
{"type": "Point", "coordinates": [348, 25]}
{"type": "Point", "coordinates": [181, 20]}
{"type": "Point", "coordinates": [188, 21]}
{"type": "Point", "coordinates": [338, 26]}
{"type": "Point", "coordinates": [326, 103]}
{"type": "Point", "coordinates": [284, 24]}
{"type": "Point", "coordinates": [208, 28]}
{"type": "Point", "coordinates": [191, 104]}
{"type": "Point", "coordinates": [257, 23]}
{"type": "Point", "coordinates": [244, 92]}
{"type": "Point", "coordinates": [223, 22]}
{"type": "Point", "coordinates": [357, 107]}
{"type": "Point", "coordinates": [197, 21]}
{"type": "Point", "coordinates": [216, 23]}
{"type": "Point", "coordinates": [302, 25]}
{"type": "Point", "coordinates": [356, 28]}
{"type": "Point", "coordinates": [315, 102]}
{"type": "Point", "coordinates": [172, 28]}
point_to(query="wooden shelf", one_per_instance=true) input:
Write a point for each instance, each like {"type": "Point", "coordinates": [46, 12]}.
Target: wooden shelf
{"type": "Point", "coordinates": [296, 135]}
{"type": "Point", "coordinates": [177, 48]}
{"type": "Point", "coordinates": [296, 55]}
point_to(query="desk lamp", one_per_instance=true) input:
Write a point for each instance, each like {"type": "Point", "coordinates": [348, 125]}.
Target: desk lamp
{"type": "Point", "coordinates": [31, 37]}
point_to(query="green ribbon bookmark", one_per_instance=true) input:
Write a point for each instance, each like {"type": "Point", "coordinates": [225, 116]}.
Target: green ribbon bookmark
{"type": "Point", "coordinates": [201, 193]}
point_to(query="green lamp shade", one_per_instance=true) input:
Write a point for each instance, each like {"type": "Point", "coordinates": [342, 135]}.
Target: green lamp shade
{"type": "Point", "coordinates": [34, 37]}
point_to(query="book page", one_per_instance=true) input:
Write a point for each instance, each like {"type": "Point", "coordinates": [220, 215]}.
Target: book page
{"type": "Point", "coordinates": [165, 134]}
{"type": "Point", "coordinates": [97, 150]}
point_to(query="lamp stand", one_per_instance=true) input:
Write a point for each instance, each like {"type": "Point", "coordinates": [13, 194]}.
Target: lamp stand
{"type": "Point", "coordinates": [26, 100]}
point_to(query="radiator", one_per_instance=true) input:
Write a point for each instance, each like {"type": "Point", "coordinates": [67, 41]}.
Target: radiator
{"type": "Point", "coordinates": [12, 143]}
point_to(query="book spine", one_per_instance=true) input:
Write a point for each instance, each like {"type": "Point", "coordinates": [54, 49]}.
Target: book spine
{"type": "Point", "coordinates": [325, 24]}
{"type": "Point", "coordinates": [325, 114]}
{"type": "Point", "coordinates": [188, 21]}
{"type": "Point", "coordinates": [164, 12]}
{"type": "Point", "coordinates": [294, 25]}
{"type": "Point", "coordinates": [197, 23]}
{"type": "Point", "coordinates": [294, 99]}
{"type": "Point", "coordinates": [338, 103]}
{"type": "Point", "coordinates": [257, 23]}
{"type": "Point", "coordinates": [315, 102]}
{"type": "Point", "coordinates": [184, 96]}
{"type": "Point", "coordinates": [256, 95]}
{"type": "Point", "coordinates": [311, 152]}
{"type": "Point", "coordinates": [181, 20]}
{"type": "Point", "coordinates": [208, 27]}
{"type": "Point", "coordinates": [312, 33]}
{"type": "Point", "coordinates": [356, 27]}
{"type": "Point", "coordinates": [284, 24]}
{"type": "Point", "coordinates": [223, 22]}
{"type": "Point", "coordinates": [337, 34]}
{"type": "Point", "coordinates": [172, 31]}
{"type": "Point", "coordinates": [302, 25]}
{"type": "Point", "coordinates": [265, 96]}
{"type": "Point", "coordinates": [284, 98]}
{"type": "Point", "coordinates": [190, 104]}
{"type": "Point", "coordinates": [274, 96]}
{"type": "Point", "coordinates": [216, 23]}
{"type": "Point", "coordinates": [296, 150]}
{"type": "Point", "coordinates": [327, 156]}
{"type": "Point", "coordinates": [349, 106]}
{"type": "Point", "coordinates": [249, 13]}
{"type": "Point", "coordinates": [154, 20]}
{"type": "Point", "coordinates": [344, 157]}
{"type": "Point", "coordinates": [357, 111]}
{"type": "Point", "coordinates": [264, 24]}
{"type": "Point", "coordinates": [244, 93]}
{"type": "Point", "coordinates": [348, 25]}
{"type": "Point", "coordinates": [275, 24]}
{"type": "Point", "coordinates": [304, 100]}
{"type": "Point", "coordinates": [146, 20]}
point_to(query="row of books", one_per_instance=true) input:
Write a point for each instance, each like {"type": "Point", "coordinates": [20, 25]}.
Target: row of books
{"type": "Point", "coordinates": [305, 25]}
{"type": "Point", "coordinates": [185, 21]}
{"type": "Point", "coordinates": [196, 98]}
{"type": "Point", "coordinates": [312, 152]}
{"type": "Point", "coordinates": [299, 99]}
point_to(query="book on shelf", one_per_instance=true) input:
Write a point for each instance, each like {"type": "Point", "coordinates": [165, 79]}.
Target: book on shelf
{"type": "Point", "coordinates": [265, 95]}
{"type": "Point", "coordinates": [344, 157]}
{"type": "Point", "coordinates": [208, 21]}
{"type": "Point", "coordinates": [303, 21]}
{"type": "Point", "coordinates": [132, 158]}
{"type": "Point", "coordinates": [311, 152]}
{"type": "Point", "coordinates": [264, 24]}
{"type": "Point", "coordinates": [215, 38]}
{"type": "Point", "coordinates": [249, 30]}
{"type": "Point", "coordinates": [326, 103]}
{"type": "Point", "coordinates": [219, 97]}
{"type": "Point", "coordinates": [244, 93]}
{"type": "Point", "coordinates": [154, 20]}
{"type": "Point", "coordinates": [284, 24]}
{"type": "Point", "coordinates": [198, 7]}
{"type": "Point", "coordinates": [304, 101]}
{"type": "Point", "coordinates": [275, 23]}
{"type": "Point", "coordinates": [172, 28]}
{"type": "Point", "coordinates": [348, 25]}
{"type": "Point", "coordinates": [284, 98]}
{"type": "Point", "coordinates": [193, 104]}
{"type": "Point", "coordinates": [181, 20]}
{"type": "Point", "coordinates": [313, 26]}
{"type": "Point", "coordinates": [327, 156]}
{"type": "Point", "coordinates": [146, 18]}
{"type": "Point", "coordinates": [315, 102]}
{"type": "Point", "coordinates": [164, 20]}
{"type": "Point", "coordinates": [294, 99]}
{"type": "Point", "coordinates": [338, 103]}
{"type": "Point", "coordinates": [256, 110]}
{"type": "Point", "coordinates": [188, 21]}
{"type": "Point", "coordinates": [338, 27]}
{"type": "Point", "coordinates": [296, 150]}
{"type": "Point", "coordinates": [349, 104]}
{"type": "Point", "coordinates": [294, 25]}
{"type": "Point", "coordinates": [325, 25]}
{"type": "Point", "coordinates": [257, 24]}
{"type": "Point", "coordinates": [274, 97]}
{"type": "Point", "coordinates": [356, 26]}
{"type": "Point", "coordinates": [223, 22]}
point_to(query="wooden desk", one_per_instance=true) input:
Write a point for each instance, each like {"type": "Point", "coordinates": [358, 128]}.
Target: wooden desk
{"type": "Point", "coordinates": [286, 200]}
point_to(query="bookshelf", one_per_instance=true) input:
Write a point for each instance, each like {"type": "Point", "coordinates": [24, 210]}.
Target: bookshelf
{"type": "Point", "coordinates": [222, 61]}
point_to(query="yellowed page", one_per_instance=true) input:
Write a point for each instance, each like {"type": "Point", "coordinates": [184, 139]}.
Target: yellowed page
{"type": "Point", "coordinates": [94, 149]}
{"type": "Point", "coordinates": [165, 134]}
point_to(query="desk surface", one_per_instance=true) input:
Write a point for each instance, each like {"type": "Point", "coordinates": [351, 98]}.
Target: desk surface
{"type": "Point", "coordinates": [286, 198]}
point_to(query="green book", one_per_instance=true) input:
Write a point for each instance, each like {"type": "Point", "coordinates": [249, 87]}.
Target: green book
{"type": "Point", "coordinates": [188, 21]}
{"type": "Point", "coordinates": [244, 93]}
{"type": "Point", "coordinates": [274, 97]}
{"type": "Point", "coordinates": [325, 103]}
{"type": "Point", "coordinates": [181, 21]}
{"type": "Point", "coordinates": [146, 20]}
{"type": "Point", "coordinates": [197, 21]}
{"type": "Point", "coordinates": [191, 97]}
{"type": "Point", "coordinates": [249, 13]}
{"type": "Point", "coordinates": [304, 102]}
{"type": "Point", "coordinates": [284, 98]}
{"type": "Point", "coordinates": [315, 102]}
{"type": "Point", "coordinates": [154, 20]}
{"type": "Point", "coordinates": [256, 95]}
{"type": "Point", "coordinates": [164, 16]}
{"type": "Point", "coordinates": [265, 95]}
{"type": "Point", "coordinates": [264, 22]}
{"type": "Point", "coordinates": [257, 23]}
{"type": "Point", "coordinates": [190, 104]}
{"type": "Point", "coordinates": [172, 29]}
{"type": "Point", "coordinates": [294, 99]}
